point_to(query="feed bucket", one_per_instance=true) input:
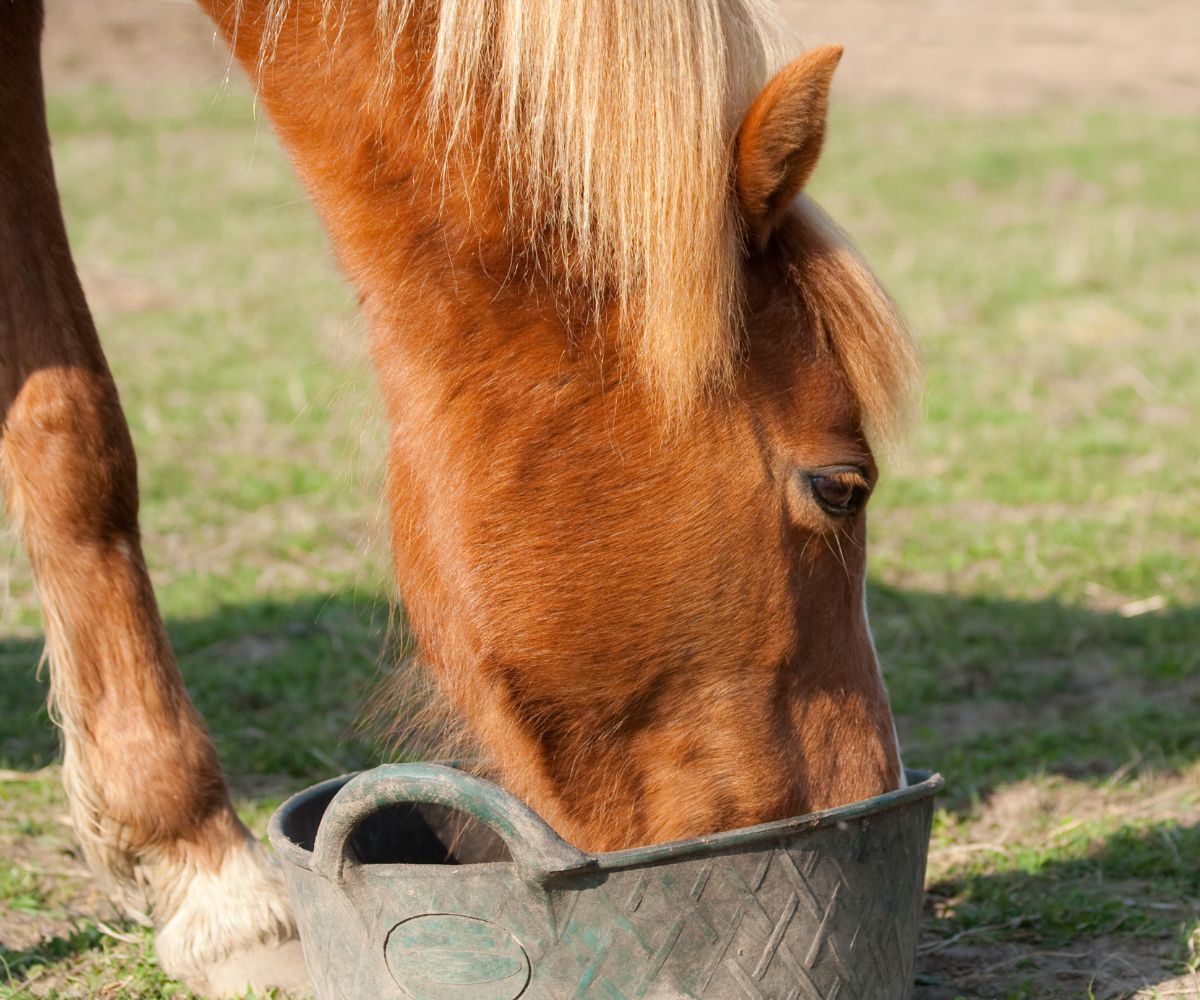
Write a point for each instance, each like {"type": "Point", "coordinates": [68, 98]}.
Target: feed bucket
{"type": "Point", "coordinates": [419, 881]}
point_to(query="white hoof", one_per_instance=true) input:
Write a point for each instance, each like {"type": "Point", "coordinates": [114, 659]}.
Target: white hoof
{"type": "Point", "coordinates": [233, 929]}
{"type": "Point", "coordinates": [260, 967]}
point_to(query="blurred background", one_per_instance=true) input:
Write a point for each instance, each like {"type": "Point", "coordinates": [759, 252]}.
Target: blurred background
{"type": "Point", "coordinates": [1026, 179]}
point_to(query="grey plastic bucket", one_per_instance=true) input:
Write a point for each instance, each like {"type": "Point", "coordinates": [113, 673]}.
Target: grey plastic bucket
{"type": "Point", "coordinates": [421, 882]}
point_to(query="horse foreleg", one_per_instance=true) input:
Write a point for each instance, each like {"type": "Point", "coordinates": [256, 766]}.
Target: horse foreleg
{"type": "Point", "coordinates": [147, 796]}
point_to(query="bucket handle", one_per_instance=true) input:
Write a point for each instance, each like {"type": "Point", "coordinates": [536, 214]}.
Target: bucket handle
{"type": "Point", "coordinates": [538, 851]}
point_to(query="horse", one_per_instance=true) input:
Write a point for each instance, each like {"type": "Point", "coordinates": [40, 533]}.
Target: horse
{"type": "Point", "coordinates": [633, 378]}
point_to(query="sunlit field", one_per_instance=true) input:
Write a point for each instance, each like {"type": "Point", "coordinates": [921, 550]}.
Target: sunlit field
{"type": "Point", "coordinates": [1035, 545]}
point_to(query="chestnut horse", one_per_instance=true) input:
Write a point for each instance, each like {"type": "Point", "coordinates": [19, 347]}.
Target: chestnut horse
{"type": "Point", "coordinates": [630, 373]}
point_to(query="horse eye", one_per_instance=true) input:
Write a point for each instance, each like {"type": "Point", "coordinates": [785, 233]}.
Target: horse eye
{"type": "Point", "coordinates": [839, 492]}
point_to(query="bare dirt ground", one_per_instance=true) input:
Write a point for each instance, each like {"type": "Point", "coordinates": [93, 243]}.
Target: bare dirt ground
{"type": "Point", "coordinates": [984, 56]}
{"type": "Point", "coordinates": [966, 54]}
{"type": "Point", "coordinates": [968, 965]}
{"type": "Point", "coordinates": [129, 44]}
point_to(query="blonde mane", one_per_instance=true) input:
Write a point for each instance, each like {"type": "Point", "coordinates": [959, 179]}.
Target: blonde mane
{"type": "Point", "coordinates": [618, 120]}
{"type": "Point", "coordinates": [858, 321]}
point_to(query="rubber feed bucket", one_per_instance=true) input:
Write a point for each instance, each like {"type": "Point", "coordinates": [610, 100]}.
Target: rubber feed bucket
{"type": "Point", "coordinates": [418, 881]}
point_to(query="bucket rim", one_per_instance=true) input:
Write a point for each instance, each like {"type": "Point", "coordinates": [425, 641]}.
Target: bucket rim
{"type": "Point", "coordinates": [921, 785]}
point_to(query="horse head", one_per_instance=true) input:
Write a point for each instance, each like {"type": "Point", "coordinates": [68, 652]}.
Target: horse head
{"type": "Point", "coordinates": [632, 375]}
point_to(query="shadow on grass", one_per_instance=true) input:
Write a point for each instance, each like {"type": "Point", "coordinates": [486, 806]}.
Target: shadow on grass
{"type": "Point", "coordinates": [986, 691]}
{"type": "Point", "coordinates": [281, 686]}
{"type": "Point", "coordinates": [992, 691]}
{"type": "Point", "coordinates": [17, 963]}
{"type": "Point", "coordinates": [1106, 918]}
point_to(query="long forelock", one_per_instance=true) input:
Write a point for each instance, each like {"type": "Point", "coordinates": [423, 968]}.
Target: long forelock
{"type": "Point", "coordinates": [857, 321]}
{"type": "Point", "coordinates": [619, 120]}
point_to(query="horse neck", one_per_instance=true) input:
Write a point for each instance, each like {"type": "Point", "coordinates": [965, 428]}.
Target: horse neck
{"type": "Point", "coordinates": [467, 335]}
{"type": "Point", "coordinates": [355, 122]}
{"type": "Point", "coordinates": [458, 308]}
{"type": "Point", "coordinates": [471, 349]}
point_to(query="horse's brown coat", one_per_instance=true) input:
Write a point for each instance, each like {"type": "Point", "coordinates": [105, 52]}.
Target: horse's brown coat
{"type": "Point", "coordinates": [652, 630]}
{"type": "Point", "coordinates": [71, 480]}
{"type": "Point", "coordinates": [145, 789]}
{"type": "Point", "coordinates": [780, 140]}
{"type": "Point", "coordinates": [648, 623]}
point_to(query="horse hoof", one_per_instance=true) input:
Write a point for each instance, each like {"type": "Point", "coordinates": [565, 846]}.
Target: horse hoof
{"type": "Point", "coordinates": [259, 968]}
{"type": "Point", "coordinates": [234, 930]}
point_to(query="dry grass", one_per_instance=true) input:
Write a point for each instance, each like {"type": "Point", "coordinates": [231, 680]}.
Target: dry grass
{"type": "Point", "coordinates": [1035, 550]}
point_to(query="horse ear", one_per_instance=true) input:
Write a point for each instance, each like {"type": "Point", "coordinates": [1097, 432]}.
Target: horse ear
{"type": "Point", "coordinates": [780, 139]}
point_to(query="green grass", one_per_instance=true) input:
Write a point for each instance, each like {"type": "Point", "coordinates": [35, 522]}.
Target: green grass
{"type": "Point", "coordinates": [1092, 882]}
{"type": "Point", "coordinates": [1049, 265]}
